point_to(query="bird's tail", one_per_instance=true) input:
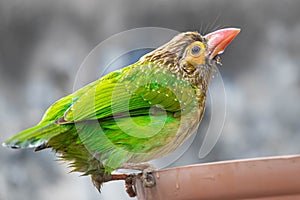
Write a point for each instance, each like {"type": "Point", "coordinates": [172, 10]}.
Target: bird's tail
{"type": "Point", "coordinates": [37, 136]}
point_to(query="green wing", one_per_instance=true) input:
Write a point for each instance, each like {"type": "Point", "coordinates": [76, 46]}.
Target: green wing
{"type": "Point", "coordinates": [127, 109]}
{"type": "Point", "coordinates": [136, 89]}
{"type": "Point", "coordinates": [40, 134]}
{"type": "Point", "coordinates": [119, 118]}
{"type": "Point", "coordinates": [126, 116]}
{"type": "Point", "coordinates": [58, 109]}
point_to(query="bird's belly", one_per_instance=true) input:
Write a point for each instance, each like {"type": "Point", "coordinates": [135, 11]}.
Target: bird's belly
{"type": "Point", "coordinates": [174, 132]}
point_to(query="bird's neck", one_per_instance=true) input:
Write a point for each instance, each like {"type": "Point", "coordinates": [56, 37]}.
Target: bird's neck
{"type": "Point", "coordinates": [199, 78]}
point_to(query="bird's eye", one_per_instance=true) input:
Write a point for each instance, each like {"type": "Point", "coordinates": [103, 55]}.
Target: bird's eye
{"type": "Point", "coordinates": [196, 50]}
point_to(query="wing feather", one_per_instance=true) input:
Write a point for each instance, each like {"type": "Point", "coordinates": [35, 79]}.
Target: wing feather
{"type": "Point", "coordinates": [137, 87]}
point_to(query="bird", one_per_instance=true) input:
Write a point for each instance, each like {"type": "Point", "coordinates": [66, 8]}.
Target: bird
{"type": "Point", "coordinates": [135, 114]}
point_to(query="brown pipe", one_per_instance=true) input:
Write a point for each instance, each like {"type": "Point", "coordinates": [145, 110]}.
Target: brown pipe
{"type": "Point", "coordinates": [263, 178]}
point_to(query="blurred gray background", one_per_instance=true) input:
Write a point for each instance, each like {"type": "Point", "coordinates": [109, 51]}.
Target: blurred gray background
{"type": "Point", "coordinates": [42, 45]}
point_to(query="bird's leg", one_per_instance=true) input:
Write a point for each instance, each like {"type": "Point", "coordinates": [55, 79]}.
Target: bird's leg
{"type": "Point", "coordinates": [118, 177]}
{"type": "Point", "coordinates": [146, 168]}
{"type": "Point", "coordinates": [129, 179]}
{"type": "Point", "coordinates": [129, 184]}
{"type": "Point", "coordinates": [146, 177]}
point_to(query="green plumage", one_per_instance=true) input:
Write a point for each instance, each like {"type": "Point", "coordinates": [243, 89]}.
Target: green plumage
{"type": "Point", "coordinates": [130, 115]}
{"type": "Point", "coordinates": [136, 114]}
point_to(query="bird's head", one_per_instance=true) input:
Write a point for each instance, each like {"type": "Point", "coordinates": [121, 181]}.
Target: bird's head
{"type": "Point", "coordinates": [192, 55]}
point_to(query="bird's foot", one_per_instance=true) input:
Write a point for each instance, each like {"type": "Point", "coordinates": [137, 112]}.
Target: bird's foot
{"type": "Point", "coordinates": [128, 178]}
{"type": "Point", "coordinates": [146, 176]}
{"type": "Point", "coordinates": [129, 184]}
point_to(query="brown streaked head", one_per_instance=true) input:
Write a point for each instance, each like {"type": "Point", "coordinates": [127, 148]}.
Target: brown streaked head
{"type": "Point", "coordinates": [191, 54]}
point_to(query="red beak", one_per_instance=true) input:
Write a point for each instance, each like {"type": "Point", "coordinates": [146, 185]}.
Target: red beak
{"type": "Point", "coordinates": [217, 41]}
